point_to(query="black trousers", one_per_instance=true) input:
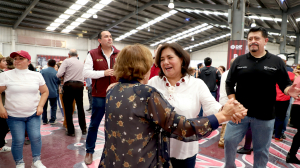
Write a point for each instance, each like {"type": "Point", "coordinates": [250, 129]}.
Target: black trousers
{"type": "Point", "coordinates": [3, 131]}
{"type": "Point", "coordinates": [295, 121]}
{"type": "Point", "coordinates": [74, 90]}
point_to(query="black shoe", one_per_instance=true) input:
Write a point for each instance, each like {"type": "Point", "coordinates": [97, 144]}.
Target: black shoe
{"type": "Point", "coordinates": [292, 159]}
{"type": "Point", "coordinates": [89, 109]}
{"type": "Point", "coordinates": [84, 132]}
{"type": "Point", "coordinates": [45, 123]}
{"type": "Point", "coordinates": [72, 135]}
{"type": "Point", "coordinates": [244, 151]}
{"type": "Point", "coordinates": [283, 136]}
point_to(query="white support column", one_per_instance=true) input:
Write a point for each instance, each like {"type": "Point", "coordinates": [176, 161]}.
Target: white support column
{"type": "Point", "coordinates": [13, 40]}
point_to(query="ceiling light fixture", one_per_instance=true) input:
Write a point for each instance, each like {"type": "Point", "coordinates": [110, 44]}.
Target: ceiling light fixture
{"type": "Point", "coordinates": [292, 40]}
{"type": "Point", "coordinates": [86, 15]}
{"type": "Point", "coordinates": [81, 2]}
{"type": "Point", "coordinates": [192, 38]}
{"type": "Point", "coordinates": [191, 50]}
{"type": "Point", "coordinates": [207, 41]}
{"type": "Point", "coordinates": [105, 2]}
{"type": "Point", "coordinates": [226, 14]}
{"type": "Point", "coordinates": [54, 24]}
{"type": "Point", "coordinates": [148, 29]}
{"type": "Point", "coordinates": [253, 23]}
{"type": "Point", "coordinates": [73, 9]}
{"type": "Point", "coordinates": [59, 20]}
{"type": "Point", "coordinates": [70, 11]}
{"type": "Point", "coordinates": [66, 30]}
{"type": "Point", "coordinates": [80, 20]}
{"type": "Point", "coordinates": [75, 23]}
{"type": "Point", "coordinates": [98, 6]}
{"type": "Point", "coordinates": [171, 4]}
{"type": "Point", "coordinates": [184, 34]}
{"type": "Point", "coordinates": [95, 16]}
{"type": "Point", "coordinates": [51, 28]}
{"type": "Point", "coordinates": [147, 25]}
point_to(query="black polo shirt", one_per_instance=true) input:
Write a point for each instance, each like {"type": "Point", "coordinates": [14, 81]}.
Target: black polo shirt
{"type": "Point", "coordinates": [255, 80]}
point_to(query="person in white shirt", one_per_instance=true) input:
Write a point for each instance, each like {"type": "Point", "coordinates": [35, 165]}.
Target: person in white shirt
{"type": "Point", "coordinates": [184, 92]}
{"type": "Point", "coordinates": [223, 99]}
{"type": "Point", "coordinates": [23, 107]}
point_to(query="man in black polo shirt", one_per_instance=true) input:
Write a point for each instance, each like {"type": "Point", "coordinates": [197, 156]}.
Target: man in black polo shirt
{"type": "Point", "coordinates": [255, 76]}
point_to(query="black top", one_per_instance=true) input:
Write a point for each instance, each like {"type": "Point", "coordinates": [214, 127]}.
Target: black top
{"type": "Point", "coordinates": [138, 124]}
{"type": "Point", "coordinates": [210, 75]}
{"type": "Point", "coordinates": [255, 80]}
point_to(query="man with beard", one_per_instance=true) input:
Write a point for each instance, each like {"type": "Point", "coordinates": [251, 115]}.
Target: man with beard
{"type": "Point", "coordinates": [255, 75]}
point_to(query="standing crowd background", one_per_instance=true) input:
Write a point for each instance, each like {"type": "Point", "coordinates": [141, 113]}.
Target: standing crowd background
{"type": "Point", "coordinates": [156, 108]}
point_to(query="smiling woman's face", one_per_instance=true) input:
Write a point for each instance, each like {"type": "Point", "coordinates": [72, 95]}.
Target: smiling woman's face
{"type": "Point", "coordinates": [170, 63]}
{"type": "Point", "coordinates": [21, 62]}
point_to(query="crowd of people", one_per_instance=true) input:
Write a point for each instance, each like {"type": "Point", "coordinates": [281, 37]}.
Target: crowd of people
{"type": "Point", "coordinates": [156, 108]}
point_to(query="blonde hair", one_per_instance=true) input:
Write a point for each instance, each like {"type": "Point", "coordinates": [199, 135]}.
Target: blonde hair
{"type": "Point", "coordinates": [133, 62]}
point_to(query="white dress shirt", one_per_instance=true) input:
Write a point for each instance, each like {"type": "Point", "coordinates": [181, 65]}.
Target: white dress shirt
{"type": "Point", "coordinates": [223, 94]}
{"type": "Point", "coordinates": [187, 99]}
{"type": "Point", "coordinates": [89, 72]}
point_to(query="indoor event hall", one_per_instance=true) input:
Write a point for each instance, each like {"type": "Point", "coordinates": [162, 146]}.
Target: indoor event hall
{"type": "Point", "coordinates": [149, 83]}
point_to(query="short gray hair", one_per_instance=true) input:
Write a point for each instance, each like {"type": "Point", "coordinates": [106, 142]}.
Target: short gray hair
{"type": "Point", "coordinates": [73, 52]}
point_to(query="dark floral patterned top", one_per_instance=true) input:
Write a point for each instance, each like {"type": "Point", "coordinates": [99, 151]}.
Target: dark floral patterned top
{"type": "Point", "coordinates": [139, 123]}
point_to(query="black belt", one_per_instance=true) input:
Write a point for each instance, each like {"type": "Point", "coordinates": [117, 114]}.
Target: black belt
{"type": "Point", "coordinates": [71, 81]}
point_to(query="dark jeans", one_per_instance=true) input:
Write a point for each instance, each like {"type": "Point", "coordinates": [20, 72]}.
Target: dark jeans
{"type": "Point", "coordinates": [3, 131]}
{"type": "Point", "coordinates": [280, 111]}
{"type": "Point", "coordinates": [98, 111]}
{"type": "Point", "coordinates": [53, 104]}
{"type": "Point", "coordinates": [248, 139]}
{"type": "Point", "coordinates": [294, 120]}
{"type": "Point", "coordinates": [186, 163]}
{"type": "Point", "coordinates": [74, 91]}
{"type": "Point", "coordinates": [90, 95]}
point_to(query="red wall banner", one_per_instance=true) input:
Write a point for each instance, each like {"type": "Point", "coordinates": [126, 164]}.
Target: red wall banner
{"type": "Point", "coordinates": [42, 60]}
{"type": "Point", "coordinates": [235, 49]}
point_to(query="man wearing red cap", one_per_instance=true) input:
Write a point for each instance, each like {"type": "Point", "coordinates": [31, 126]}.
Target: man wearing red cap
{"type": "Point", "coordinates": [23, 107]}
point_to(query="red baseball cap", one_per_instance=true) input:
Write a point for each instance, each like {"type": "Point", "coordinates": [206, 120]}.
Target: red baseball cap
{"type": "Point", "coordinates": [21, 53]}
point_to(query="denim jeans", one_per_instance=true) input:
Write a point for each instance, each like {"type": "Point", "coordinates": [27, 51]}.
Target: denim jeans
{"type": "Point", "coordinates": [186, 163]}
{"type": "Point", "coordinates": [287, 117]}
{"type": "Point", "coordinates": [17, 126]}
{"type": "Point", "coordinates": [90, 96]}
{"type": "Point", "coordinates": [53, 104]}
{"type": "Point", "coordinates": [98, 111]}
{"type": "Point", "coordinates": [261, 136]}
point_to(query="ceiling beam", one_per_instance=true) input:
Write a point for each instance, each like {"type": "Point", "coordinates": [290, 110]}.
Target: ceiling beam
{"type": "Point", "coordinates": [293, 10]}
{"type": "Point", "coordinates": [25, 13]}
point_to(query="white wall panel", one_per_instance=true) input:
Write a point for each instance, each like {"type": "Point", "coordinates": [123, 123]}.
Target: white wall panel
{"type": "Point", "coordinates": [5, 34]}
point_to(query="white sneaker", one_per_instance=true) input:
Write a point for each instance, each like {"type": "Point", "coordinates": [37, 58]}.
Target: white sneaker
{"type": "Point", "coordinates": [21, 165]}
{"type": "Point", "coordinates": [38, 164]}
{"type": "Point", "coordinates": [5, 149]}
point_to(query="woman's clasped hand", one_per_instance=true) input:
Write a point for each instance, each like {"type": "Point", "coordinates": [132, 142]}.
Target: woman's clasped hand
{"type": "Point", "coordinates": [233, 110]}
